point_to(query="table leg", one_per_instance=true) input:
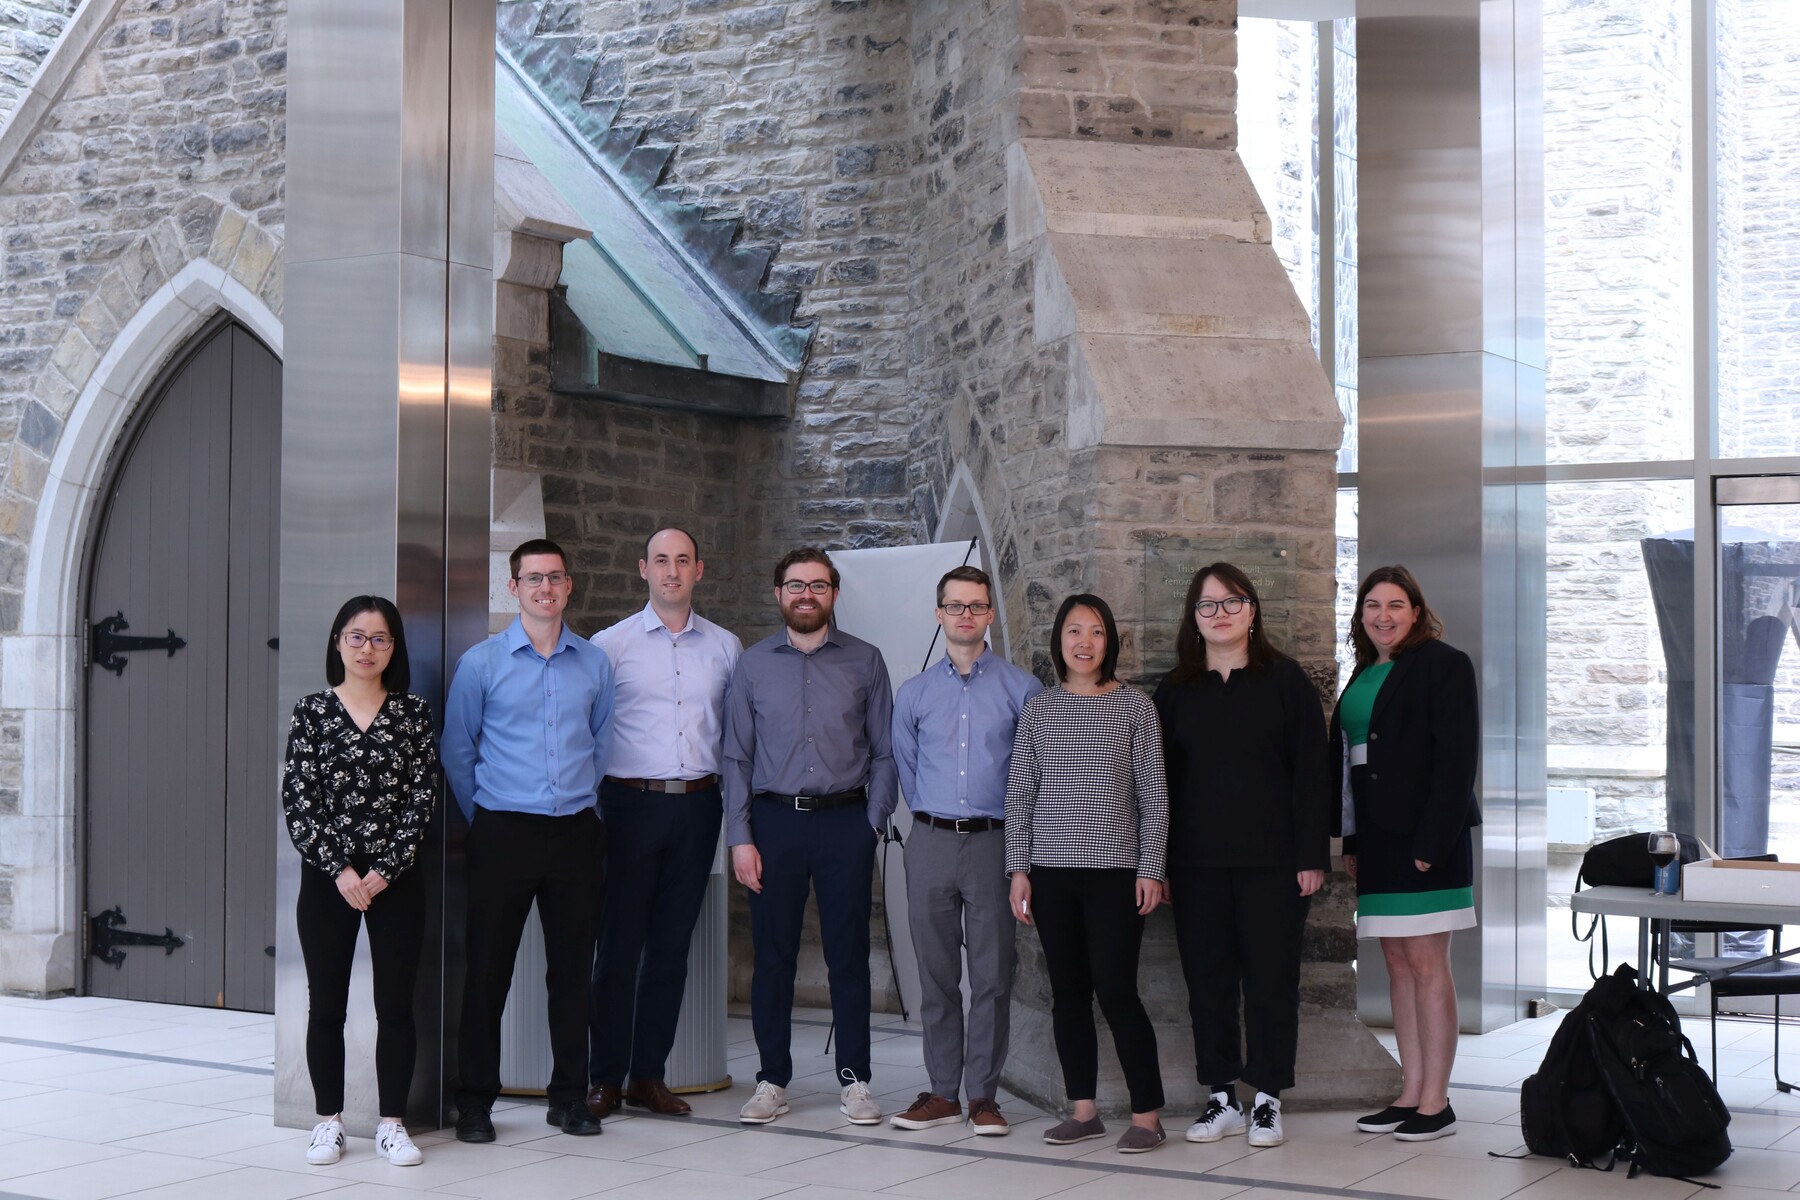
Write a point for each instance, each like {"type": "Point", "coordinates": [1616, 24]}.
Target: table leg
{"type": "Point", "coordinates": [1643, 964]}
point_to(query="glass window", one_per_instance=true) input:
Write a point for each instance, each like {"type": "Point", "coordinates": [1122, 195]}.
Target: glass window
{"type": "Point", "coordinates": [1619, 598]}
{"type": "Point", "coordinates": [1758, 242]}
{"type": "Point", "coordinates": [1617, 231]}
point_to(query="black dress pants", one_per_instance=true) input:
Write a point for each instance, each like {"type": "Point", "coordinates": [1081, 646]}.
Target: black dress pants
{"type": "Point", "coordinates": [1088, 924]}
{"type": "Point", "coordinates": [1242, 928]}
{"type": "Point", "coordinates": [514, 859]}
{"type": "Point", "coordinates": [659, 857]}
{"type": "Point", "coordinates": [328, 927]}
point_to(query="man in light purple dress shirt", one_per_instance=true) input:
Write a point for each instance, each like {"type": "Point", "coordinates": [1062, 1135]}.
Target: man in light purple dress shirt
{"type": "Point", "coordinates": [953, 737]}
{"type": "Point", "coordinates": [661, 802]}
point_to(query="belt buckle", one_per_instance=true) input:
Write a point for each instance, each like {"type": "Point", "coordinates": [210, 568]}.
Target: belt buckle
{"type": "Point", "coordinates": [961, 821]}
{"type": "Point", "coordinates": [806, 803]}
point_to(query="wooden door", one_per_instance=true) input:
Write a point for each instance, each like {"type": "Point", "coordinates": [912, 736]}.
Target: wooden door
{"type": "Point", "coordinates": [180, 741]}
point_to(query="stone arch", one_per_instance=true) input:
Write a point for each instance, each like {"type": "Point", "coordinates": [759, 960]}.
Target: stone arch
{"type": "Point", "coordinates": [41, 672]}
{"type": "Point", "coordinates": [962, 515]}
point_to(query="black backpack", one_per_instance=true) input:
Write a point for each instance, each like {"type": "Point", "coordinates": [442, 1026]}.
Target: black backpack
{"type": "Point", "coordinates": [1620, 1080]}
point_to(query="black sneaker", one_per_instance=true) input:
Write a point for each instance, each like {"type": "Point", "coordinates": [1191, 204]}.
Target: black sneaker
{"type": "Point", "coordinates": [1387, 1120]}
{"type": "Point", "coordinates": [475, 1125]}
{"type": "Point", "coordinates": [1420, 1128]}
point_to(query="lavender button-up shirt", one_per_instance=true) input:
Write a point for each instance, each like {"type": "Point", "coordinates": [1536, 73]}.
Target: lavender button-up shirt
{"type": "Point", "coordinates": [953, 737]}
{"type": "Point", "coordinates": [669, 705]}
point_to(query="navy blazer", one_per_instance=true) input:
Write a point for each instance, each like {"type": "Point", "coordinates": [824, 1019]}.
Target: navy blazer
{"type": "Point", "coordinates": [1424, 751]}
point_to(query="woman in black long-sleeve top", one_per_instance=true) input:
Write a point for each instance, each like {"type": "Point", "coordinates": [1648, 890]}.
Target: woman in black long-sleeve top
{"type": "Point", "coordinates": [1406, 740]}
{"type": "Point", "coordinates": [359, 789]}
{"type": "Point", "coordinates": [1244, 742]}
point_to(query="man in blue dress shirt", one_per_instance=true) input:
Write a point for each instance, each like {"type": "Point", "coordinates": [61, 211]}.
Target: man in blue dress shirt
{"type": "Point", "coordinates": [953, 737]}
{"type": "Point", "coordinates": [660, 799]}
{"type": "Point", "coordinates": [809, 780]}
{"type": "Point", "coordinates": [524, 748]}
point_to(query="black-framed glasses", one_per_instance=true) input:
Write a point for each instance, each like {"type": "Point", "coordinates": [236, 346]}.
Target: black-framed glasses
{"type": "Point", "coordinates": [1230, 605]}
{"type": "Point", "coordinates": [796, 587]}
{"type": "Point", "coordinates": [538, 579]}
{"type": "Point", "coordinates": [957, 610]}
{"type": "Point", "coordinates": [375, 641]}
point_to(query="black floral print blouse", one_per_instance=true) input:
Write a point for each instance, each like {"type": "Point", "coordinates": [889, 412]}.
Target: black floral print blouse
{"type": "Point", "coordinates": [360, 795]}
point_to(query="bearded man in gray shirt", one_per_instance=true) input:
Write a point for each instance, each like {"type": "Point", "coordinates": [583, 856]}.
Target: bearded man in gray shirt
{"type": "Point", "coordinates": [809, 782]}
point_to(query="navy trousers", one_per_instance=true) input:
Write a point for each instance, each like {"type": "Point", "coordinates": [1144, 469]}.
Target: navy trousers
{"type": "Point", "coordinates": [833, 852]}
{"type": "Point", "coordinates": [659, 855]}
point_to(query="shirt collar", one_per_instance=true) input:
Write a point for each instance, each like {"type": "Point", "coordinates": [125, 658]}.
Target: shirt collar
{"type": "Point", "coordinates": [831, 639]}
{"type": "Point", "coordinates": [516, 637]}
{"type": "Point", "coordinates": [979, 666]}
{"type": "Point", "coordinates": [652, 622]}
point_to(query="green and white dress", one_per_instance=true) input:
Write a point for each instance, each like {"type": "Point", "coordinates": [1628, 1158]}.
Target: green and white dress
{"type": "Point", "coordinates": [1393, 897]}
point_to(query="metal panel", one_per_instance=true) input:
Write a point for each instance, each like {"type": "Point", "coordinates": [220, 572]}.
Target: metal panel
{"type": "Point", "coordinates": [1419, 172]}
{"type": "Point", "coordinates": [1452, 387]}
{"type": "Point", "coordinates": [387, 445]}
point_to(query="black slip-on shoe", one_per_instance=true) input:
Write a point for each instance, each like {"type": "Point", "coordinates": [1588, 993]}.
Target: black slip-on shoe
{"type": "Point", "coordinates": [1387, 1120]}
{"type": "Point", "coordinates": [474, 1125]}
{"type": "Point", "coordinates": [1421, 1128]}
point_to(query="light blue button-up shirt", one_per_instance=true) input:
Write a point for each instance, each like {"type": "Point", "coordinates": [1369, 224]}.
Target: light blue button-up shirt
{"type": "Point", "coordinates": [525, 733]}
{"type": "Point", "coordinates": [953, 736]}
{"type": "Point", "coordinates": [669, 718]}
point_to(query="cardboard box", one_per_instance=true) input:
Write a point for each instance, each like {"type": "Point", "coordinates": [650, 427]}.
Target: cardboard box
{"type": "Point", "coordinates": [1732, 882]}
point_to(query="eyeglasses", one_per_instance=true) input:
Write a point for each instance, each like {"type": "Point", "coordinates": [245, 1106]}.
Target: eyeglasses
{"type": "Point", "coordinates": [535, 579]}
{"type": "Point", "coordinates": [375, 641]}
{"type": "Point", "coordinates": [957, 610]}
{"type": "Point", "coordinates": [1231, 605]}
{"type": "Point", "coordinates": [796, 587]}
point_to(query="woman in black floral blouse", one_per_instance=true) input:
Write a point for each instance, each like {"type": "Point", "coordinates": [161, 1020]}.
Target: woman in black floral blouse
{"type": "Point", "coordinates": [360, 786]}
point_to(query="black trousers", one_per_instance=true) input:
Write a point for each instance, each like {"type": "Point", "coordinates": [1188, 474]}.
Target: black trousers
{"type": "Point", "coordinates": [833, 851]}
{"type": "Point", "coordinates": [1242, 928]}
{"type": "Point", "coordinates": [659, 856]}
{"type": "Point", "coordinates": [514, 859]}
{"type": "Point", "coordinates": [328, 928]}
{"type": "Point", "coordinates": [1088, 923]}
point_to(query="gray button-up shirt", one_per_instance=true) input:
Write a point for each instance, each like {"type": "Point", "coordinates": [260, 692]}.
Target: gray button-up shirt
{"type": "Point", "coordinates": [808, 725]}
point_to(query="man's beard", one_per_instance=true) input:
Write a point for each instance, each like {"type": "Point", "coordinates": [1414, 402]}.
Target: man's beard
{"type": "Point", "coordinates": [801, 622]}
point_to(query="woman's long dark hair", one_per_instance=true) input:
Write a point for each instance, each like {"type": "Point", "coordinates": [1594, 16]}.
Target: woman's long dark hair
{"type": "Point", "coordinates": [1190, 647]}
{"type": "Point", "coordinates": [1109, 662]}
{"type": "Point", "coordinates": [398, 675]}
{"type": "Point", "coordinates": [1426, 626]}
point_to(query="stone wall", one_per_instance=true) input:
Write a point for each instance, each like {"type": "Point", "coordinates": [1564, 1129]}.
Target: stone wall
{"type": "Point", "coordinates": [28, 28]}
{"type": "Point", "coordinates": [163, 151]}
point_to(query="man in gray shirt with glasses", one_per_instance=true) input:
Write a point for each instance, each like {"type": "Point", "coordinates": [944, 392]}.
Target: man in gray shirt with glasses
{"type": "Point", "coordinates": [809, 782]}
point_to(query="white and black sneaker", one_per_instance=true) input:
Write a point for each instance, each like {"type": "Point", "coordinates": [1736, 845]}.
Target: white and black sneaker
{"type": "Point", "coordinates": [1220, 1117]}
{"type": "Point", "coordinates": [327, 1143]}
{"type": "Point", "coordinates": [393, 1144]}
{"type": "Point", "coordinates": [1265, 1122]}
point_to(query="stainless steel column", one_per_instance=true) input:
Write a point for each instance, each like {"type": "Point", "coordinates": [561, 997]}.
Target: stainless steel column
{"type": "Point", "coordinates": [1450, 179]}
{"type": "Point", "coordinates": [386, 431]}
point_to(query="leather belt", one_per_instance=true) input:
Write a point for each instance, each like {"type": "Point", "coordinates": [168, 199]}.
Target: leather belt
{"type": "Point", "coordinates": [673, 787]}
{"type": "Point", "coordinates": [961, 824]}
{"type": "Point", "coordinates": [815, 803]}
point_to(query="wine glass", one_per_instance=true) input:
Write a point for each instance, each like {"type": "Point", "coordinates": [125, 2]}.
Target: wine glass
{"type": "Point", "coordinates": [1664, 848]}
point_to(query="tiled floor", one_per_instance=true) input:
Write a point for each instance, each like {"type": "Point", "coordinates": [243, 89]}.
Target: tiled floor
{"type": "Point", "coordinates": [103, 1098]}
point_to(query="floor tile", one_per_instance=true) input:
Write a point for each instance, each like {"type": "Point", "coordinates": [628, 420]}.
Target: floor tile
{"type": "Point", "coordinates": [1749, 1166]}
{"type": "Point", "coordinates": [745, 1153]}
{"type": "Point", "coordinates": [114, 1176]}
{"type": "Point", "coordinates": [562, 1177]}
{"type": "Point", "coordinates": [246, 1183]}
{"type": "Point", "coordinates": [869, 1168]}
{"type": "Point", "coordinates": [1568, 1183]}
{"type": "Point", "coordinates": [698, 1185]}
{"type": "Point", "coordinates": [1150, 1187]}
{"type": "Point", "coordinates": [30, 1154]}
{"type": "Point", "coordinates": [990, 1179]}
{"type": "Point", "coordinates": [445, 1164]}
{"type": "Point", "coordinates": [1432, 1176]}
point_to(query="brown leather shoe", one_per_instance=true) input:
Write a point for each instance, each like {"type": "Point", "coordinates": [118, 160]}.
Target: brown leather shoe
{"type": "Point", "coordinates": [927, 1111]}
{"type": "Point", "coordinates": [603, 1099]}
{"type": "Point", "coordinates": [985, 1118]}
{"type": "Point", "coordinates": [655, 1095]}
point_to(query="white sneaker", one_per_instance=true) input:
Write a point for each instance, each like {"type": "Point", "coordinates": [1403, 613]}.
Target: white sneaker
{"type": "Point", "coordinates": [327, 1143]}
{"type": "Point", "coordinates": [1265, 1122]}
{"type": "Point", "coordinates": [769, 1102]}
{"type": "Point", "coordinates": [858, 1104]}
{"type": "Point", "coordinates": [1218, 1118]}
{"type": "Point", "coordinates": [392, 1143]}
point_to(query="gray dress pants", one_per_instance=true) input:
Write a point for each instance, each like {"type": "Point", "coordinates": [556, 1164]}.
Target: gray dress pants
{"type": "Point", "coordinates": [956, 896]}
